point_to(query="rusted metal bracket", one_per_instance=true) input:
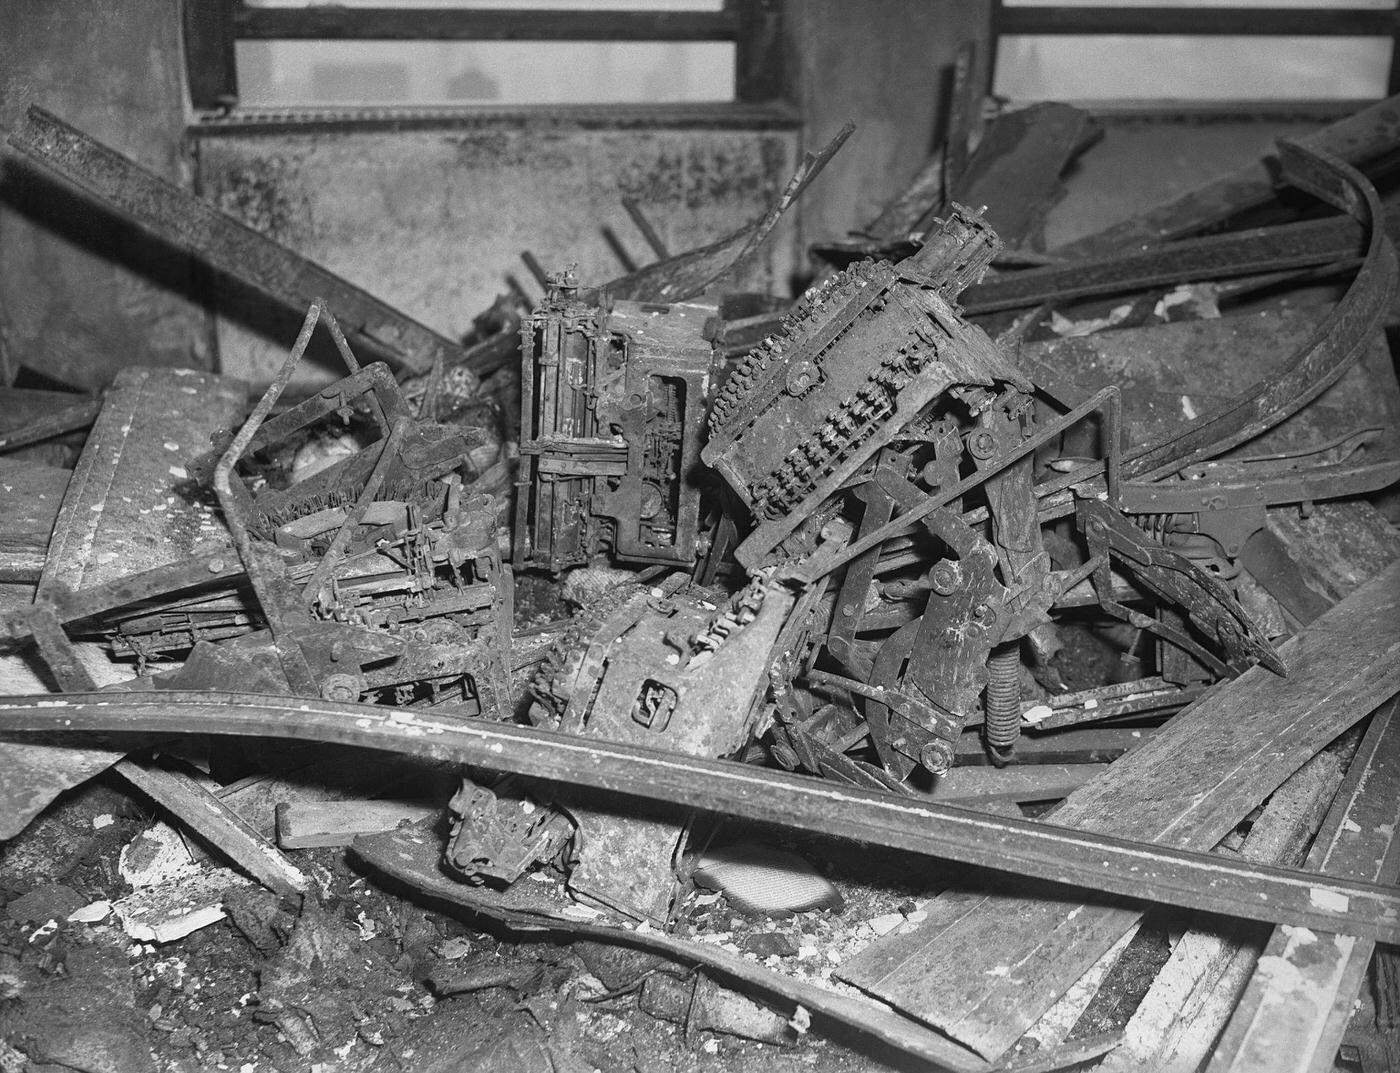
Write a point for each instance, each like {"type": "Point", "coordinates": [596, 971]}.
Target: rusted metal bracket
{"type": "Point", "coordinates": [120, 185]}
{"type": "Point", "coordinates": [1110, 865]}
{"type": "Point", "coordinates": [1171, 576]}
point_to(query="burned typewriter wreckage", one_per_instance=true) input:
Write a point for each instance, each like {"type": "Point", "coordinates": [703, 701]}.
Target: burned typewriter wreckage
{"type": "Point", "coordinates": [889, 458]}
{"type": "Point", "coordinates": [364, 563]}
{"type": "Point", "coordinates": [847, 547]}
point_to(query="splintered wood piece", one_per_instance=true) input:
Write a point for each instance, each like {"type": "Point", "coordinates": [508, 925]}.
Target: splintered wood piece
{"type": "Point", "coordinates": [988, 973]}
{"type": "Point", "coordinates": [219, 825]}
{"type": "Point", "coordinates": [30, 495]}
{"type": "Point", "coordinates": [1296, 1006]}
{"type": "Point", "coordinates": [973, 784]}
{"type": "Point", "coordinates": [315, 824]}
{"type": "Point", "coordinates": [1015, 171]}
{"type": "Point", "coordinates": [1189, 1002]}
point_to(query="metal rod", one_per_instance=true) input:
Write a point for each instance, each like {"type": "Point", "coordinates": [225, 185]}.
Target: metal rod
{"type": "Point", "coordinates": [1115, 866]}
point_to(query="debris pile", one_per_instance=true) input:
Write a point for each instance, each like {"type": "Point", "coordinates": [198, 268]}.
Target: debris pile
{"type": "Point", "coordinates": [989, 656]}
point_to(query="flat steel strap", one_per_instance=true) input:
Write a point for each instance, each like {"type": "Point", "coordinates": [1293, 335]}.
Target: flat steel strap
{"type": "Point", "coordinates": [1101, 863]}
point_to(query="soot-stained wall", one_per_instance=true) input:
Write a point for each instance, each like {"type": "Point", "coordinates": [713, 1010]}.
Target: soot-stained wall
{"type": "Point", "coordinates": [80, 294]}
{"type": "Point", "coordinates": [432, 219]}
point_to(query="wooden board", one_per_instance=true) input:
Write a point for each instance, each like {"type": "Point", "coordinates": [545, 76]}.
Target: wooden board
{"type": "Point", "coordinates": [126, 509]}
{"type": "Point", "coordinates": [1182, 1013]}
{"type": "Point", "coordinates": [1297, 1004]}
{"type": "Point", "coordinates": [128, 506]}
{"type": "Point", "coordinates": [30, 495]}
{"type": "Point", "coordinates": [984, 968]}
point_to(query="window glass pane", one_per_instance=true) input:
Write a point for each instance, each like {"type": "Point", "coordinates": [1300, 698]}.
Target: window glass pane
{"type": "Point", "coordinates": [319, 73]}
{"type": "Point", "coordinates": [1114, 67]}
{"type": "Point", "coordinates": [1319, 5]}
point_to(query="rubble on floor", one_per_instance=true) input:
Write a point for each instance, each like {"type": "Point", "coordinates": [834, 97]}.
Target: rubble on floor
{"type": "Point", "coordinates": [987, 661]}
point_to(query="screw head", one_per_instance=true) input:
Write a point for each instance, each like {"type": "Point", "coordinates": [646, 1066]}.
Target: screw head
{"type": "Point", "coordinates": [945, 577]}
{"type": "Point", "coordinates": [342, 688]}
{"type": "Point", "coordinates": [982, 444]}
{"type": "Point", "coordinates": [937, 756]}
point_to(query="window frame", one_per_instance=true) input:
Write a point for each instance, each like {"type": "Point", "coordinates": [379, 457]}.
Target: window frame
{"type": "Point", "coordinates": [1042, 21]}
{"type": "Point", "coordinates": [213, 28]}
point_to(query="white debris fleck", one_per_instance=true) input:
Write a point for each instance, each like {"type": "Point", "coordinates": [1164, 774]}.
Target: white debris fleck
{"type": "Point", "coordinates": [885, 923]}
{"type": "Point", "coordinates": [1187, 408]}
{"type": "Point", "coordinates": [579, 912]}
{"type": "Point", "coordinates": [1279, 974]}
{"type": "Point", "coordinates": [171, 445]}
{"type": "Point", "coordinates": [1037, 714]}
{"type": "Point", "coordinates": [104, 820]}
{"type": "Point", "coordinates": [43, 931]}
{"type": "Point", "coordinates": [1330, 900]}
{"type": "Point", "coordinates": [92, 912]}
{"type": "Point", "coordinates": [1090, 704]}
{"type": "Point", "coordinates": [801, 1020]}
{"type": "Point", "coordinates": [178, 472]}
{"type": "Point", "coordinates": [454, 948]}
{"type": "Point", "coordinates": [1296, 935]}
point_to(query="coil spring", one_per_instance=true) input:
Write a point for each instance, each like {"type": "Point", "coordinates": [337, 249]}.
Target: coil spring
{"type": "Point", "coordinates": [1003, 722]}
{"type": "Point", "coordinates": [1156, 526]}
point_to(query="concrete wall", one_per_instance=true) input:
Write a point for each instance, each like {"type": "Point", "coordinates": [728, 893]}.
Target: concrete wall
{"type": "Point", "coordinates": [81, 296]}
{"type": "Point", "coordinates": [433, 219]}
{"type": "Point", "coordinates": [886, 65]}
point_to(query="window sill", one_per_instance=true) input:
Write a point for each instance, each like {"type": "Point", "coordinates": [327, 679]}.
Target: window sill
{"type": "Point", "coordinates": [714, 116]}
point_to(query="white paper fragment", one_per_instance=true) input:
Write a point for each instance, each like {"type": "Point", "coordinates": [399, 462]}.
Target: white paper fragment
{"type": "Point", "coordinates": [91, 913]}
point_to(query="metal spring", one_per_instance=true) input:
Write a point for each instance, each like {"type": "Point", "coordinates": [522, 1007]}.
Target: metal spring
{"type": "Point", "coordinates": [1003, 724]}
{"type": "Point", "coordinates": [1156, 526]}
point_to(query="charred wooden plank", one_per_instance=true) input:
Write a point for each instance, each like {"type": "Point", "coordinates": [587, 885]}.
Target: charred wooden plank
{"type": "Point", "coordinates": [1297, 1004]}
{"type": "Point", "coordinates": [219, 825]}
{"type": "Point", "coordinates": [1188, 786]}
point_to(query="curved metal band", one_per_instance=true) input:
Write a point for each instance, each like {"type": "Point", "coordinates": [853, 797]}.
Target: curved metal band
{"type": "Point", "coordinates": [1330, 350]}
{"type": "Point", "coordinates": [1023, 847]}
